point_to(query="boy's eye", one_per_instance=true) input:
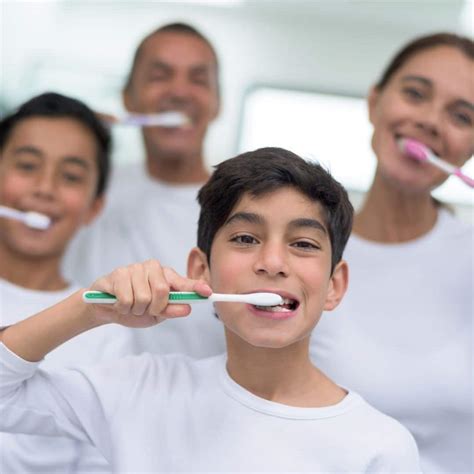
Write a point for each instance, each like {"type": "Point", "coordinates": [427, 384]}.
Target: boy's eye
{"type": "Point", "coordinates": [305, 245]}
{"type": "Point", "coordinates": [26, 165]}
{"type": "Point", "coordinates": [72, 177]}
{"type": "Point", "coordinates": [244, 239]}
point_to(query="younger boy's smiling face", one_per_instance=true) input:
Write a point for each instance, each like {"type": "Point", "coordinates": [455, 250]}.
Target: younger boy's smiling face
{"type": "Point", "coordinates": [277, 242]}
{"type": "Point", "coordinates": [48, 165]}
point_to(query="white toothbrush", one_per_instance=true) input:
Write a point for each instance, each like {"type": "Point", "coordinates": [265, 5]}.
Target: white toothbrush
{"type": "Point", "coordinates": [30, 218]}
{"type": "Point", "coordinates": [420, 152]}
{"type": "Point", "coordinates": [171, 119]}
{"type": "Point", "coordinates": [189, 297]}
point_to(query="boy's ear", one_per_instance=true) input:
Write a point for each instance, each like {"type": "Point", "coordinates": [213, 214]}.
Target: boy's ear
{"type": "Point", "coordinates": [198, 268]}
{"type": "Point", "coordinates": [95, 209]}
{"type": "Point", "coordinates": [337, 285]}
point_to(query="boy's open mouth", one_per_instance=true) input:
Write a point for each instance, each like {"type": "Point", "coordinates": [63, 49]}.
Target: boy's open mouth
{"type": "Point", "coordinates": [287, 306]}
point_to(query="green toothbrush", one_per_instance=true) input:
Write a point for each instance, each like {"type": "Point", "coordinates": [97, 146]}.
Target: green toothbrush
{"type": "Point", "coordinates": [189, 297]}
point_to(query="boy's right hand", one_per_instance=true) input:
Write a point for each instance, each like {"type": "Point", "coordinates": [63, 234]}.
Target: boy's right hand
{"type": "Point", "coordinates": [142, 291]}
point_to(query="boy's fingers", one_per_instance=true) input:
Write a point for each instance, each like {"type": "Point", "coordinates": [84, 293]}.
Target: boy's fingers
{"type": "Point", "coordinates": [162, 280]}
{"type": "Point", "coordinates": [176, 311]}
{"type": "Point", "coordinates": [142, 294]}
{"type": "Point", "coordinates": [122, 289]}
{"type": "Point", "coordinates": [143, 289]}
{"type": "Point", "coordinates": [159, 288]}
{"type": "Point", "coordinates": [179, 283]}
{"type": "Point", "coordinates": [201, 287]}
{"type": "Point", "coordinates": [102, 284]}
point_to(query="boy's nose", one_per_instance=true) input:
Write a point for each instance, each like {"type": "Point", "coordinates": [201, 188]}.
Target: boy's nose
{"type": "Point", "coordinates": [45, 185]}
{"type": "Point", "coordinates": [272, 260]}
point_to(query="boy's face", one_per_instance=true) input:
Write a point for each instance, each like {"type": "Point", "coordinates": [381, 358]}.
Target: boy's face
{"type": "Point", "coordinates": [48, 165]}
{"type": "Point", "coordinates": [277, 242]}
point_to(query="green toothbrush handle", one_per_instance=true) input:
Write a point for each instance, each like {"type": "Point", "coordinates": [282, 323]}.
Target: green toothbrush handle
{"type": "Point", "coordinates": [175, 297]}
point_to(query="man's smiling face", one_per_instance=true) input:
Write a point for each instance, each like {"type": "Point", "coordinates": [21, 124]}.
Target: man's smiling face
{"type": "Point", "coordinates": [175, 71]}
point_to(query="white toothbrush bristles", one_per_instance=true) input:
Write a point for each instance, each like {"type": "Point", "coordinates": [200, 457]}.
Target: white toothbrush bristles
{"type": "Point", "coordinates": [170, 119]}
{"type": "Point", "coordinates": [32, 219]}
{"type": "Point", "coordinates": [37, 220]}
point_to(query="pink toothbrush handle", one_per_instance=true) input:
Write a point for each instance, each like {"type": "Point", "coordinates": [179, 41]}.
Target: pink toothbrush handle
{"type": "Point", "coordinates": [469, 181]}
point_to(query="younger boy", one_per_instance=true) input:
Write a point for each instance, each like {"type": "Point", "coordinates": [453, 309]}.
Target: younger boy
{"type": "Point", "coordinates": [54, 159]}
{"type": "Point", "coordinates": [269, 221]}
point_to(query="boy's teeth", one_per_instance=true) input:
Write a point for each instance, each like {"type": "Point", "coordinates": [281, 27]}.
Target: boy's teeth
{"type": "Point", "coordinates": [274, 309]}
{"type": "Point", "coordinates": [287, 306]}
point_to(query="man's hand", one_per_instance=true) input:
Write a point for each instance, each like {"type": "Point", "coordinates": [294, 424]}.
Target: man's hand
{"type": "Point", "coordinates": [108, 119]}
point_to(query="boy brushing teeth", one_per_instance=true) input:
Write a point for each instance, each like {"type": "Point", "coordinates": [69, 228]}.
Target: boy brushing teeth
{"type": "Point", "coordinates": [270, 222]}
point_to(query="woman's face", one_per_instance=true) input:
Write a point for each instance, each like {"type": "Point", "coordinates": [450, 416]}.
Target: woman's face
{"type": "Point", "coordinates": [430, 98]}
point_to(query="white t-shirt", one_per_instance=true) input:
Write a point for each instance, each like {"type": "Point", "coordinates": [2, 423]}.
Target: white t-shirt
{"type": "Point", "coordinates": [31, 454]}
{"type": "Point", "coordinates": [176, 414]}
{"type": "Point", "coordinates": [144, 219]}
{"type": "Point", "coordinates": [402, 337]}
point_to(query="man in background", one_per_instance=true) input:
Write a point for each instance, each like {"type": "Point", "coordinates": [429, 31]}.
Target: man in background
{"type": "Point", "coordinates": [152, 205]}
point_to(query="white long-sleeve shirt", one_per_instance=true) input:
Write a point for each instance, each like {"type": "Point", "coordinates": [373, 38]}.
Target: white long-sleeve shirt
{"type": "Point", "coordinates": [174, 414]}
{"type": "Point", "coordinates": [25, 454]}
{"type": "Point", "coordinates": [402, 337]}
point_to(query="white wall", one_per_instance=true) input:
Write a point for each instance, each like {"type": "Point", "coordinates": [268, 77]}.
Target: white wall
{"type": "Point", "coordinates": [84, 48]}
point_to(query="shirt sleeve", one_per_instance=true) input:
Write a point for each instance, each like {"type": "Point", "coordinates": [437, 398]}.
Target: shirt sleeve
{"type": "Point", "coordinates": [56, 403]}
{"type": "Point", "coordinates": [398, 454]}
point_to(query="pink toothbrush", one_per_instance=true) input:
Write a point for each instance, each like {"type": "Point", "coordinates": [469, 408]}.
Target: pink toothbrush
{"type": "Point", "coordinates": [420, 152]}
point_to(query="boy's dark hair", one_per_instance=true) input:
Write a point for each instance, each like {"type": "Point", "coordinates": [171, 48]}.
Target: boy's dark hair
{"type": "Point", "coordinates": [265, 170]}
{"type": "Point", "coordinates": [181, 28]}
{"type": "Point", "coordinates": [52, 105]}
{"type": "Point", "coordinates": [462, 43]}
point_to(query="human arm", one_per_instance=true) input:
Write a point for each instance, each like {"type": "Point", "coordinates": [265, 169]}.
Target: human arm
{"type": "Point", "coordinates": [76, 403]}
{"type": "Point", "coordinates": [142, 294]}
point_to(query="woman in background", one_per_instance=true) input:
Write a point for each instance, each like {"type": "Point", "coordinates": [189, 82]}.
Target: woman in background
{"type": "Point", "coordinates": [402, 337]}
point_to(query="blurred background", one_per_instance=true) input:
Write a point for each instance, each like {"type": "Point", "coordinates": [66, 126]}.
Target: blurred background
{"type": "Point", "coordinates": [294, 73]}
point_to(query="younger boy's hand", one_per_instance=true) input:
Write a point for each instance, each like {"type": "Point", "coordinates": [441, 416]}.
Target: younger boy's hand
{"type": "Point", "coordinates": [142, 292]}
